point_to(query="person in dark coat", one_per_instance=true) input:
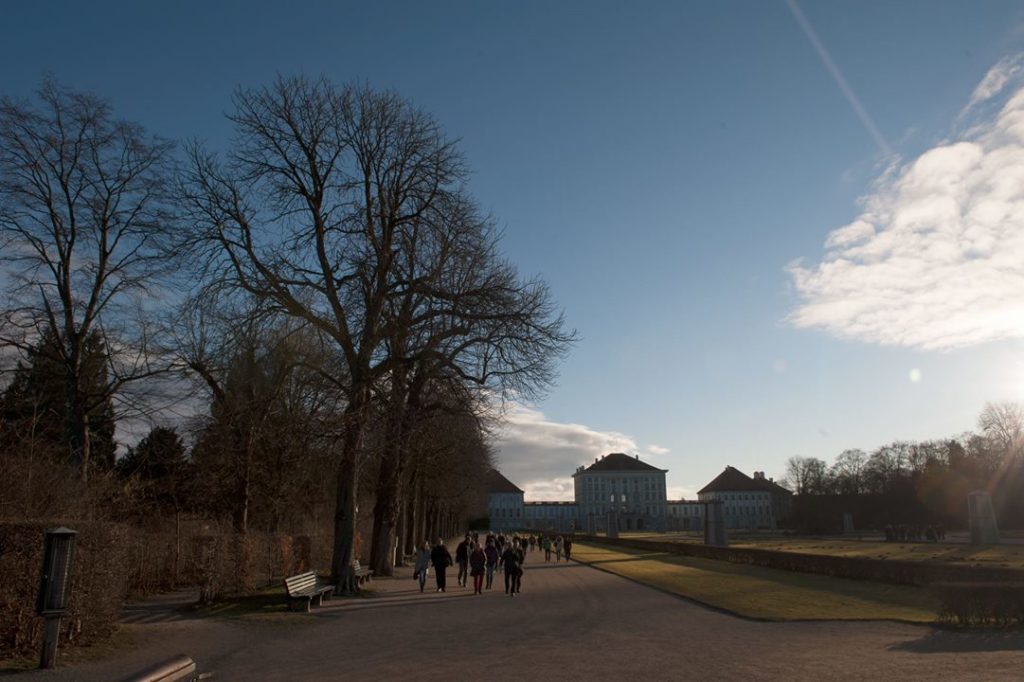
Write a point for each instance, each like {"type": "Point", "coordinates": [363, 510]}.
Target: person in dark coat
{"type": "Point", "coordinates": [511, 567]}
{"type": "Point", "coordinates": [441, 558]}
{"type": "Point", "coordinates": [521, 551]}
{"type": "Point", "coordinates": [568, 547]}
{"type": "Point", "coordinates": [491, 552]}
{"type": "Point", "coordinates": [462, 559]}
{"type": "Point", "coordinates": [477, 566]}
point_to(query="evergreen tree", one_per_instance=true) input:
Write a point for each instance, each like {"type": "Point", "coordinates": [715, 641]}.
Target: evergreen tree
{"type": "Point", "coordinates": [159, 465]}
{"type": "Point", "coordinates": [35, 405]}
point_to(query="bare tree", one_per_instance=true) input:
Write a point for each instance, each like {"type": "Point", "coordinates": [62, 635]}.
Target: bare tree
{"type": "Point", "coordinates": [807, 475]}
{"type": "Point", "coordinates": [305, 213]}
{"type": "Point", "coordinates": [254, 372]}
{"type": "Point", "coordinates": [1003, 424]}
{"type": "Point", "coordinates": [848, 471]}
{"type": "Point", "coordinates": [461, 326]}
{"type": "Point", "coordinates": [327, 196]}
{"type": "Point", "coordinates": [83, 214]}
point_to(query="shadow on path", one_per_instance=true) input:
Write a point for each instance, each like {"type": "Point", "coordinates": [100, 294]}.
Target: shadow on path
{"type": "Point", "coordinates": [162, 608]}
{"type": "Point", "coordinates": [960, 641]}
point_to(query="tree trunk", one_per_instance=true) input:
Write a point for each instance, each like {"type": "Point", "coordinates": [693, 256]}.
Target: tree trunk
{"type": "Point", "coordinates": [347, 488]}
{"type": "Point", "coordinates": [400, 532]}
{"type": "Point", "coordinates": [403, 401]}
{"type": "Point", "coordinates": [411, 538]}
{"type": "Point", "coordinates": [429, 526]}
{"type": "Point", "coordinates": [345, 524]}
{"type": "Point", "coordinates": [385, 515]}
{"type": "Point", "coordinates": [78, 428]}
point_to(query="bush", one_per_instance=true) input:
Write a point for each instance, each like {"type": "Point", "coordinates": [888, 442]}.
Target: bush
{"type": "Point", "coordinates": [981, 603]}
{"type": "Point", "coordinates": [98, 583]}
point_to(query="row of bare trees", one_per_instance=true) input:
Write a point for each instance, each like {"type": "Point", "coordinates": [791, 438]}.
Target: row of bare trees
{"type": "Point", "coordinates": [323, 292]}
{"type": "Point", "coordinates": [933, 475]}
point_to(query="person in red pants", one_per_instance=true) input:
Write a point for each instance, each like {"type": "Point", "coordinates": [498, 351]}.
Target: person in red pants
{"type": "Point", "coordinates": [477, 567]}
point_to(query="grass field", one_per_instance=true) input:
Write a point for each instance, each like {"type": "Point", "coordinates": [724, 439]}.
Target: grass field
{"type": "Point", "coordinates": [763, 592]}
{"type": "Point", "coordinates": [1004, 556]}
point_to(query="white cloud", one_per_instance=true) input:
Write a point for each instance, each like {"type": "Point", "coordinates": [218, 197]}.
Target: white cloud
{"type": "Point", "coordinates": [1006, 70]}
{"type": "Point", "coordinates": [657, 450]}
{"type": "Point", "coordinates": [936, 258]}
{"type": "Point", "coordinates": [540, 456]}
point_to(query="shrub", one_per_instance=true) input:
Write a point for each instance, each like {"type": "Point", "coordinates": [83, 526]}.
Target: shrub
{"type": "Point", "coordinates": [980, 603]}
{"type": "Point", "coordinates": [98, 584]}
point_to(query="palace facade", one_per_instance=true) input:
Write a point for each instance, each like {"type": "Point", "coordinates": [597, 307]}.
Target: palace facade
{"type": "Point", "coordinates": [624, 490]}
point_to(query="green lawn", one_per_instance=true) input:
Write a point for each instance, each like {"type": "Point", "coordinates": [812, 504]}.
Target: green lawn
{"type": "Point", "coordinates": [764, 593]}
{"type": "Point", "coordinates": [1004, 556]}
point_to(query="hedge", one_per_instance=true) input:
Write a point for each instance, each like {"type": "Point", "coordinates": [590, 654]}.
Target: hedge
{"type": "Point", "coordinates": [98, 584]}
{"type": "Point", "coordinates": [980, 603]}
{"type": "Point", "coordinates": [856, 568]}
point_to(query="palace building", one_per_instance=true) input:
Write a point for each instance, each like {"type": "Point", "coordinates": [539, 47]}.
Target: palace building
{"type": "Point", "coordinates": [747, 502]}
{"type": "Point", "coordinates": [623, 490]}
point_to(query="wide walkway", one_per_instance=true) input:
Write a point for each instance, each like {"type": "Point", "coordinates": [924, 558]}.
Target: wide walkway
{"type": "Point", "coordinates": [571, 622]}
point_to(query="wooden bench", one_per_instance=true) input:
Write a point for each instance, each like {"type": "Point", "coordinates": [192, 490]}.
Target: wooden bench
{"type": "Point", "coordinates": [304, 588]}
{"type": "Point", "coordinates": [181, 668]}
{"type": "Point", "coordinates": [363, 575]}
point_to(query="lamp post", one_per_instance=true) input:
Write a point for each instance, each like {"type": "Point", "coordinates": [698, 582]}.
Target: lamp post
{"type": "Point", "coordinates": [54, 588]}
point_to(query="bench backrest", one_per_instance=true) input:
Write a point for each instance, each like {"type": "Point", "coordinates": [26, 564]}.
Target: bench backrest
{"type": "Point", "coordinates": [300, 583]}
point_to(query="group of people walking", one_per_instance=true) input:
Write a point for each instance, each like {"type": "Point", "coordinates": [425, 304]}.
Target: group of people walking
{"type": "Point", "coordinates": [558, 545]}
{"type": "Point", "coordinates": [481, 560]}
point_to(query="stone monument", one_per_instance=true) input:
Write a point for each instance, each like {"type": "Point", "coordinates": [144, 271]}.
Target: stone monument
{"type": "Point", "coordinates": [982, 518]}
{"type": "Point", "coordinates": [714, 525]}
{"type": "Point", "coordinates": [613, 524]}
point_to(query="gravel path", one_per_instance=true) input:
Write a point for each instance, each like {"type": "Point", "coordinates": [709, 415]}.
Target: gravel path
{"type": "Point", "coordinates": [571, 622]}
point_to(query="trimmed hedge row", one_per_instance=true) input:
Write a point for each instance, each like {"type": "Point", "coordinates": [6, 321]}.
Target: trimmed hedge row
{"type": "Point", "coordinates": [981, 603]}
{"type": "Point", "coordinates": [112, 561]}
{"type": "Point", "coordinates": [98, 584]}
{"type": "Point", "coordinates": [219, 564]}
{"type": "Point", "coordinates": [856, 568]}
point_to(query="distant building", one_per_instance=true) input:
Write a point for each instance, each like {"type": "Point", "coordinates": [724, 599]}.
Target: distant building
{"type": "Point", "coordinates": [624, 490]}
{"type": "Point", "coordinates": [685, 515]}
{"type": "Point", "coordinates": [504, 502]}
{"type": "Point", "coordinates": [560, 517]}
{"type": "Point", "coordinates": [756, 502]}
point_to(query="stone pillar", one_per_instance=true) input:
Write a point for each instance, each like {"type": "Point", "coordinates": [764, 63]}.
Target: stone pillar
{"type": "Point", "coordinates": [613, 525]}
{"type": "Point", "coordinates": [982, 518]}
{"type": "Point", "coordinates": [714, 524]}
{"type": "Point", "coordinates": [847, 523]}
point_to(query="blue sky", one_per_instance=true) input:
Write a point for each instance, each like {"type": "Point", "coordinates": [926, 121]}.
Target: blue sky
{"type": "Point", "coordinates": [663, 165]}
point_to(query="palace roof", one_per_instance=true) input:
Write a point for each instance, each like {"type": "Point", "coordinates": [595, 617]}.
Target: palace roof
{"type": "Point", "coordinates": [497, 483]}
{"type": "Point", "coordinates": [619, 461]}
{"type": "Point", "coordinates": [732, 480]}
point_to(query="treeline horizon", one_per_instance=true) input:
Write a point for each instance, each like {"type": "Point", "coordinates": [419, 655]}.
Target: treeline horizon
{"type": "Point", "coordinates": [921, 482]}
{"type": "Point", "coordinates": [326, 288]}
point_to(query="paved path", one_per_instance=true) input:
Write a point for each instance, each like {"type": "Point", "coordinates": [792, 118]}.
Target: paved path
{"type": "Point", "coordinates": [571, 622]}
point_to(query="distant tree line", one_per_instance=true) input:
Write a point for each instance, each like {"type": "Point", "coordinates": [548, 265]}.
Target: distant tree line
{"type": "Point", "coordinates": [321, 303]}
{"type": "Point", "coordinates": [918, 481]}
